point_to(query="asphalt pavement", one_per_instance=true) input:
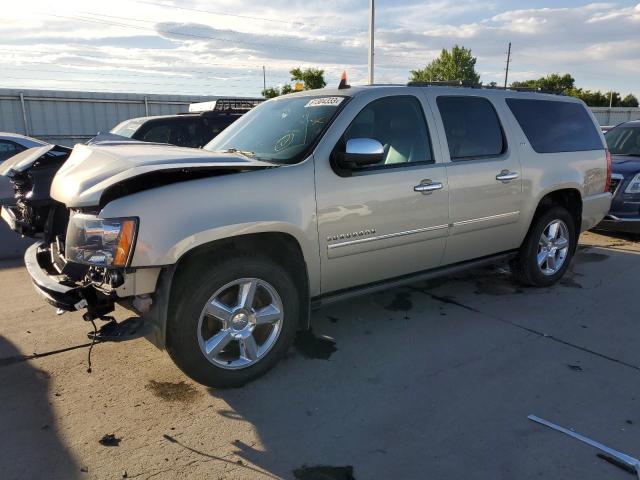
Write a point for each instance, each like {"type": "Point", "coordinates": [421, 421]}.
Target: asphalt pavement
{"type": "Point", "coordinates": [430, 381]}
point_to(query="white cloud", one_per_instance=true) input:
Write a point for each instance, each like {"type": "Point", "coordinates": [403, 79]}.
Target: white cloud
{"type": "Point", "coordinates": [129, 45]}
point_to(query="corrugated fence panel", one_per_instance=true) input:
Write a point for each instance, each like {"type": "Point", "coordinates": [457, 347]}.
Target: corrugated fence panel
{"type": "Point", "coordinates": [615, 115]}
{"type": "Point", "coordinates": [68, 117]}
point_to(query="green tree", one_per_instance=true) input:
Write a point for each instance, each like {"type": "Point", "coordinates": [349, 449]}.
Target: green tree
{"type": "Point", "coordinates": [286, 88]}
{"type": "Point", "coordinates": [457, 64]}
{"type": "Point", "coordinates": [592, 98]}
{"type": "Point", "coordinates": [552, 83]}
{"type": "Point", "coordinates": [271, 92]}
{"type": "Point", "coordinates": [629, 101]}
{"type": "Point", "coordinates": [311, 78]}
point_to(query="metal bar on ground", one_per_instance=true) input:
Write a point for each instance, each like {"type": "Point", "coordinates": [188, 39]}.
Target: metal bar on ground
{"type": "Point", "coordinates": [624, 458]}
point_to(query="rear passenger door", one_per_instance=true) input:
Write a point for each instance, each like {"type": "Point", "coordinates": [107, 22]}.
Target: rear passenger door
{"type": "Point", "coordinates": [485, 176]}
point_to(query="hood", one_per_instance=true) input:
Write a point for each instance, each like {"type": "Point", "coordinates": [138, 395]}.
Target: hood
{"type": "Point", "coordinates": [93, 169]}
{"type": "Point", "coordinates": [625, 164]}
{"type": "Point", "coordinates": [25, 159]}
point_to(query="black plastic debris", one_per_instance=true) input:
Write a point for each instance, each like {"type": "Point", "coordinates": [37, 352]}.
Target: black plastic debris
{"type": "Point", "coordinates": [170, 438]}
{"type": "Point", "coordinates": [575, 368]}
{"type": "Point", "coordinates": [311, 346]}
{"type": "Point", "coordinates": [113, 331]}
{"type": "Point", "coordinates": [323, 472]}
{"type": "Point", "coordinates": [109, 440]}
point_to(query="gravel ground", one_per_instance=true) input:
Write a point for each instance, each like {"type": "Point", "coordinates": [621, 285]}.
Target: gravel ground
{"type": "Point", "coordinates": [434, 380]}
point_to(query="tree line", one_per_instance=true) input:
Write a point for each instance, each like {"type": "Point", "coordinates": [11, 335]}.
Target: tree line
{"type": "Point", "coordinates": [458, 64]}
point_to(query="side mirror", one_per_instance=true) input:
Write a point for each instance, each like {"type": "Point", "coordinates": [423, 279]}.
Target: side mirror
{"type": "Point", "coordinates": [362, 151]}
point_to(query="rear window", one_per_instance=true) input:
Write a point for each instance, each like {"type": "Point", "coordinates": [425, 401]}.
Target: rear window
{"type": "Point", "coordinates": [128, 127]}
{"type": "Point", "coordinates": [554, 126]}
{"type": "Point", "coordinates": [472, 127]}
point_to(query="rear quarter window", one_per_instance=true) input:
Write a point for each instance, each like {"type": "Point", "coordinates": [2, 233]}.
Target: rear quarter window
{"type": "Point", "coordinates": [556, 126]}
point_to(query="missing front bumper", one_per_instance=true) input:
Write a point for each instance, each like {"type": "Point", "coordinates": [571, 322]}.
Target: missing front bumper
{"type": "Point", "coordinates": [59, 292]}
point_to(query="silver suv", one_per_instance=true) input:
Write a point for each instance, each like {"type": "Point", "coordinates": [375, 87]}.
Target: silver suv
{"type": "Point", "coordinates": [309, 199]}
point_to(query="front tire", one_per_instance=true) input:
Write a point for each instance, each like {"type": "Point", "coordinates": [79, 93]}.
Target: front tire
{"type": "Point", "coordinates": [548, 249]}
{"type": "Point", "coordinates": [231, 320]}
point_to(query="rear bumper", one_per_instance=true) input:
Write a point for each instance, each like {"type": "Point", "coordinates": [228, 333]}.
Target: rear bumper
{"type": "Point", "coordinates": [594, 208]}
{"type": "Point", "coordinates": [613, 223]}
{"type": "Point", "coordinates": [53, 290]}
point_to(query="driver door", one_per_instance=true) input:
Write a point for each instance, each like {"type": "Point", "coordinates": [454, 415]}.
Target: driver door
{"type": "Point", "coordinates": [377, 222]}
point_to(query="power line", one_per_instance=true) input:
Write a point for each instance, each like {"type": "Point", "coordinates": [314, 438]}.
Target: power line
{"type": "Point", "coordinates": [193, 35]}
{"type": "Point", "coordinates": [154, 22]}
{"type": "Point", "coordinates": [81, 80]}
{"type": "Point", "coordinates": [86, 71]}
{"type": "Point", "coordinates": [250, 17]}
{"type": "Point", "coordinates": [226, 40]}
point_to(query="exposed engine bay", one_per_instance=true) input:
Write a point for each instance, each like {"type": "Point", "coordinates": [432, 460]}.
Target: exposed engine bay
{"type": "Point", "coordinates": [81, 281]}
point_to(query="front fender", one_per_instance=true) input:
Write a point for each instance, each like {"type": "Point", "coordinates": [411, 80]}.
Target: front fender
{"type": "Point", "coordinates": [177, 218]}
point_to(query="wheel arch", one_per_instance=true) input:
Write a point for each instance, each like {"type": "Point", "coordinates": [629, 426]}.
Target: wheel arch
{"type": "Point", "coordinates": [284, 248]}
{"type": "Point", "coordinates": [567, 197]}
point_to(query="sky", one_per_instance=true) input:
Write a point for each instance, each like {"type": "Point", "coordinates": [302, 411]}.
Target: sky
{"type": "Point", "coordinates": [219, 47]}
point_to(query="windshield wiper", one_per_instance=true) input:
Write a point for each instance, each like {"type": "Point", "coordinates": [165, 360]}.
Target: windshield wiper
{"type": "Point", "coordinates": [246, 153]}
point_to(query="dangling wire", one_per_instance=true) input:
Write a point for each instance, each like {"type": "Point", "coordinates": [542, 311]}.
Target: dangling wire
{"type": "Point", "coordinates": [93, 341]}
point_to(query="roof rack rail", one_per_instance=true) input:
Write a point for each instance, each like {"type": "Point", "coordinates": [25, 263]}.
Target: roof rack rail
{"type": "Point", "coordinates": [464, 83]}
{"type": "Point", "coordinates": [454, 83]}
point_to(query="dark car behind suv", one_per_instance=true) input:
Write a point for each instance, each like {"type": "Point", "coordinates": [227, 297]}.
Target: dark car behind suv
{"type": "Point", "coordinates": [624, 144]}
{"type": "Point", "coordinates": [193, 129]}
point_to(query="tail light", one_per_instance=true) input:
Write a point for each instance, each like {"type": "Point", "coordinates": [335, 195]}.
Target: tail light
{"type": "Point", "coordinates": [609, 168]}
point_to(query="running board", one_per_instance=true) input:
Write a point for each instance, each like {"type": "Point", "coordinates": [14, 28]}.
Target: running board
{"type": "Point", "coordinates": [339, 296]}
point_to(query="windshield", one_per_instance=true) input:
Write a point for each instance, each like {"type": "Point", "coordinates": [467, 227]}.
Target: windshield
{"type": "Point", "coordinates": [624, 141]}
{"type": "Point", "coordinates": [128, 127]}
{"type": "Point", "coordinates": [280, 130]}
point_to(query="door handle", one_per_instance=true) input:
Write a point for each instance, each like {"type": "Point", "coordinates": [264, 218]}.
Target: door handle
{"type": "Point", "coordinates": [507, 176]}
{"type": "Point", "coordinates": [427, 187]}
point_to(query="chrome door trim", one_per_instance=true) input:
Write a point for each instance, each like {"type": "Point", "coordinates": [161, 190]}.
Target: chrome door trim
{"type": "Point", "coordinates": [485, 219]}
{"type": "Point", "coordinates": [386, 236]}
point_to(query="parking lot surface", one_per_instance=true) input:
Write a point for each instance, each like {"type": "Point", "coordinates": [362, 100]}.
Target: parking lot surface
{"type": "Point", "coordinates": [434, 380]}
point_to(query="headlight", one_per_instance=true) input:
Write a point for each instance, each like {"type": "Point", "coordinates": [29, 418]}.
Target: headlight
{"type": "Point", "coordinates": [634, 185]}
{"type": "Point", "coordinates": [100, 241]}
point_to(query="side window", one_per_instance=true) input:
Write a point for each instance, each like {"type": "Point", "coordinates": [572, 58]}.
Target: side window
{"type": "Point", "coordinates": [185, 133]}
{"type": "Point", "coordinates": [556, 126]}
{"type": "Point", "coordinates": [398, 123]}
{"type": "Point", "coordinates": [213, 126]}
{"type": "Point", "coordinates": [9, 149]}
{"type": "Point", "coordinates": [472, 127]}
{"type": "Point", "coordinates": [158, 133]}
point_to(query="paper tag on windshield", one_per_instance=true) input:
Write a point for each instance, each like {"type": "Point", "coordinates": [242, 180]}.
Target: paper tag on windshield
{"type": "Point", "coordinates": [324, 101]}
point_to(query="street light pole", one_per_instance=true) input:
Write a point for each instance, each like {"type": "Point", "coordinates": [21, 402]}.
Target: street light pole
{"type": "Point", "coordinates": [371, 36]}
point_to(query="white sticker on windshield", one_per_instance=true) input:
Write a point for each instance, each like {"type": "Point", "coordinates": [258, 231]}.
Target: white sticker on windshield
{"type": "Point", "coordinates": [324, 101]}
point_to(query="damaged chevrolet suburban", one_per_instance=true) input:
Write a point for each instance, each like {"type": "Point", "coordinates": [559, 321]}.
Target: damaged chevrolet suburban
{"type": "Point", "coordinates": [308, 199]}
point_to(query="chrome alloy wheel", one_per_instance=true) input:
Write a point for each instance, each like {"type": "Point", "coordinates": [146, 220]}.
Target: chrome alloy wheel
{"type": "Point", "coordinates": [240, 323]}
{"type": "Point", "coordinates": [553, 247]}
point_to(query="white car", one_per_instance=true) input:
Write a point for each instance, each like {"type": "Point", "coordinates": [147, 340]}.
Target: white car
{"type": "Point", "coordinates": [10, 145]}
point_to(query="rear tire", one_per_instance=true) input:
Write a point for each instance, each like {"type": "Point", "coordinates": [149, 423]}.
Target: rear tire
{"type": "Point", "coordinates": [230, 320]}
{"type": "Point", "coordinates": [548, 249]}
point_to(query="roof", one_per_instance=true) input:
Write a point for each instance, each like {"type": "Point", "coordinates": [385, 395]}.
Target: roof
{"type": "Point", "coordinates": [445, 89]}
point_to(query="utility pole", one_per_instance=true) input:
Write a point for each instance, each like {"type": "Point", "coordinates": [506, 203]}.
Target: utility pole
{"type": "Point", "coordinates": [371, 36]}
{"type": "Point", "coordinates": [264, 78]}
{"type": "Point", "coordinates": [506, 72]}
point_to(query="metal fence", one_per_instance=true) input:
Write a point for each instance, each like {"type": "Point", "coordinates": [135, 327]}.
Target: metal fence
{"type": "Point", "coordinates": [69, 117]}
{"type": "Point", "coordinates": [615, 115]}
